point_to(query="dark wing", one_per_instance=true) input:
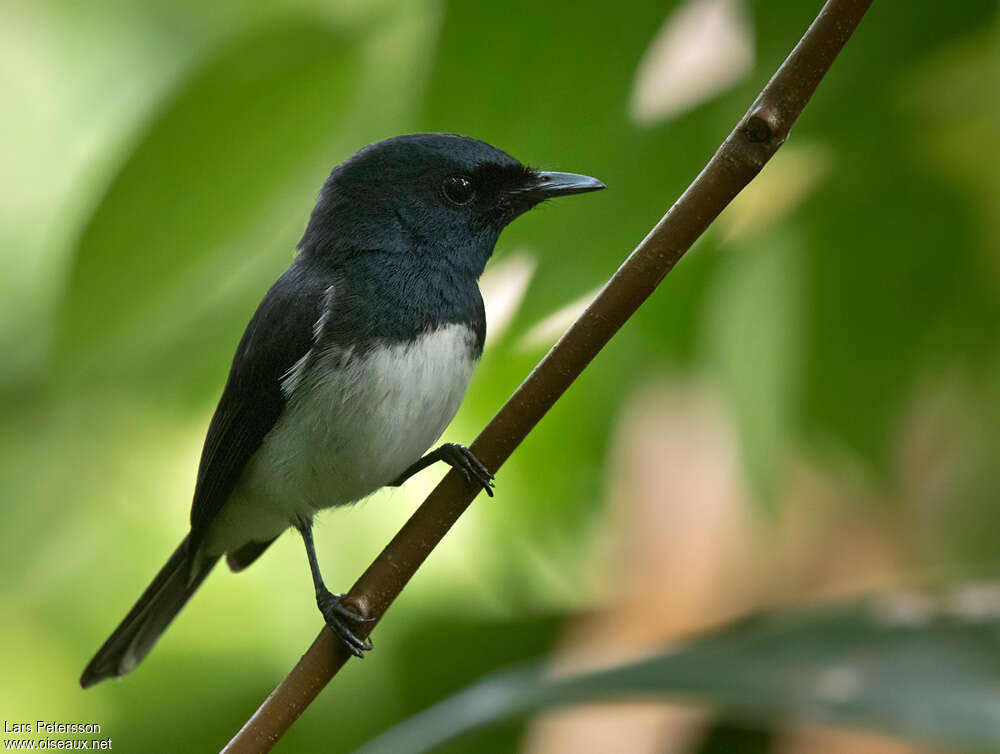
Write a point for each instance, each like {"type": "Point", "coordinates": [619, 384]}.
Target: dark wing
{"type": "Point", "coordinates": [279, 334]}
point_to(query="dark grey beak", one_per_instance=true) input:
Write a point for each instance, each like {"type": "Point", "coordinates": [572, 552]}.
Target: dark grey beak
{"type": "Point", "coordinates": [546, 185]}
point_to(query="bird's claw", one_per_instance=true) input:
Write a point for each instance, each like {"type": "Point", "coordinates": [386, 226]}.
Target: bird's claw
{"type": "Point", "coordinates": [337, 617]}
{"type": "Point", "coordinates": [475, 472]}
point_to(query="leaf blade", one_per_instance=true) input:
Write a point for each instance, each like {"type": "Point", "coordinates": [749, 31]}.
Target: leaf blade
{"type": "Point", "coordinates": [927, 675]}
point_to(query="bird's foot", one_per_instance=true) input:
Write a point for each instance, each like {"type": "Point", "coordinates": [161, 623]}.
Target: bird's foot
{"type": "Point", "coordinates": [464, 460]}
{"type": "Point", "coordinates": [338, 618]}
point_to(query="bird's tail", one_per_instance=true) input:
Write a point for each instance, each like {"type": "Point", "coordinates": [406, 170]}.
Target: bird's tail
{"type": "Point", "coordinates": [149, 617]}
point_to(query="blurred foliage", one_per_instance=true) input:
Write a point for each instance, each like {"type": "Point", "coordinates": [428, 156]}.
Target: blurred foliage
{"type": "Point", "coordinates": [160, 161]}
{"type": "Point", "coordinates": [898, 664]}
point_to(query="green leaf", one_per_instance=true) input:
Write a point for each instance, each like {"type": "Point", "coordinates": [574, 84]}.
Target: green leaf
{"type": "Point", "coordinates": [215, 178]}
{"type": "Point", "coordinates": [904, 664]}
{"type": "Point", "coordinates": [753, 345]}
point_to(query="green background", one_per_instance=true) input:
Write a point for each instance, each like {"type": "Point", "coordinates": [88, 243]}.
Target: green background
{"type": "Point", "coordinates": [159, 162]}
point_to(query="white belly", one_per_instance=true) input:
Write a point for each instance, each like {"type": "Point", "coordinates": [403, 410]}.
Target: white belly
{"type": "Point", "coordinates": [351, 425]}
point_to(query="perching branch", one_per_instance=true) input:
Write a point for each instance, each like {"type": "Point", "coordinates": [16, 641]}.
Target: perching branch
{"type": "Point", "coordinates": [745, 151]}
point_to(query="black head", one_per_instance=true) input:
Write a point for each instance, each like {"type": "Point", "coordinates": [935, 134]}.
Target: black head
{"type": "Point", "coordinates": [442, 197]}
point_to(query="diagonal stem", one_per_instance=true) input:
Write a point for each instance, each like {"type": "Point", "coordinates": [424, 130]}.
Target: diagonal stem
{"type": "Point", "coordinates": [757, 136]}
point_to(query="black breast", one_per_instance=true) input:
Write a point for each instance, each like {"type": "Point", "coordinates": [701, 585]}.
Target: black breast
{"type": "Point", "coordinates": [385, 298]}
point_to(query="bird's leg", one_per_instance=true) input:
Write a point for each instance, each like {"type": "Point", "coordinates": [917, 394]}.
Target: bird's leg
{"type": "Point", "coordinates": [334, 613]}
{"type": "Point", "coordinates": [458, 457]}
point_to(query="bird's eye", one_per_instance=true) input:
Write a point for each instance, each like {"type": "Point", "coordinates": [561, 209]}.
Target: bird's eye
{"type": "Point", "coordinates": [458, 189]}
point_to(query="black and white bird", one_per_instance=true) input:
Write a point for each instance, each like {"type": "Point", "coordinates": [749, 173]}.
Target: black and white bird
{"type": "Point", "coordinates": [352, 366]}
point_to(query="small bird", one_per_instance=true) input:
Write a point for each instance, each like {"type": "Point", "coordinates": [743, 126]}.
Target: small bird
{"type": "Point", "coordinates": [353, 365]}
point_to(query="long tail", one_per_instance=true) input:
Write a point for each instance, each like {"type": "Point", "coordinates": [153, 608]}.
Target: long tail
{"type": "Point", "coordinates": [148, 618]}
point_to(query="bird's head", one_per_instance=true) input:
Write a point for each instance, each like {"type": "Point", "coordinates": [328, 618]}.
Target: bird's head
{"type": "Point", "coordinates": [442, 196]}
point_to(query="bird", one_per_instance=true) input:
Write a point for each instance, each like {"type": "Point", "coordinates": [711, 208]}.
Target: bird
{"type": "Point", "coordinates": [351, 368]}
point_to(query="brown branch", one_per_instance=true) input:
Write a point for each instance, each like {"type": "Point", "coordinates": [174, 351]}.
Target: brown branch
{"type": "Point", "coordinates": [745, 151]}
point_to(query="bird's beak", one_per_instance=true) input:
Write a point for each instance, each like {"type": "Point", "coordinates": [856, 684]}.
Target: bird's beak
{"type": "Point", "coordinates": [546, 184]}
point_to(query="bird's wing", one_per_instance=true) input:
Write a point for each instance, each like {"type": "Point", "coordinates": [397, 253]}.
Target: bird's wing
{"type": "Point", "coordinates": [279, 335]}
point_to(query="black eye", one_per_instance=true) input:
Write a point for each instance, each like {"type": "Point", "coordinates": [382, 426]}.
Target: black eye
{"type": "Point", "coordinates": [458, 189]}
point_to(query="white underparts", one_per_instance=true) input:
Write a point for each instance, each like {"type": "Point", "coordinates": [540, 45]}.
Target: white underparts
{"type": "Point", "coordinates": [353, 423]}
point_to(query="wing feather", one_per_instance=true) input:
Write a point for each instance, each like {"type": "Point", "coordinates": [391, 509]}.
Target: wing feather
{"type": "Point", "coordinates": [279, 336]}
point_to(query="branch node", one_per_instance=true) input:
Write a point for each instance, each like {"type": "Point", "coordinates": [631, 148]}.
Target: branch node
{"type": "Point", "coordinates": [760, 127]}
